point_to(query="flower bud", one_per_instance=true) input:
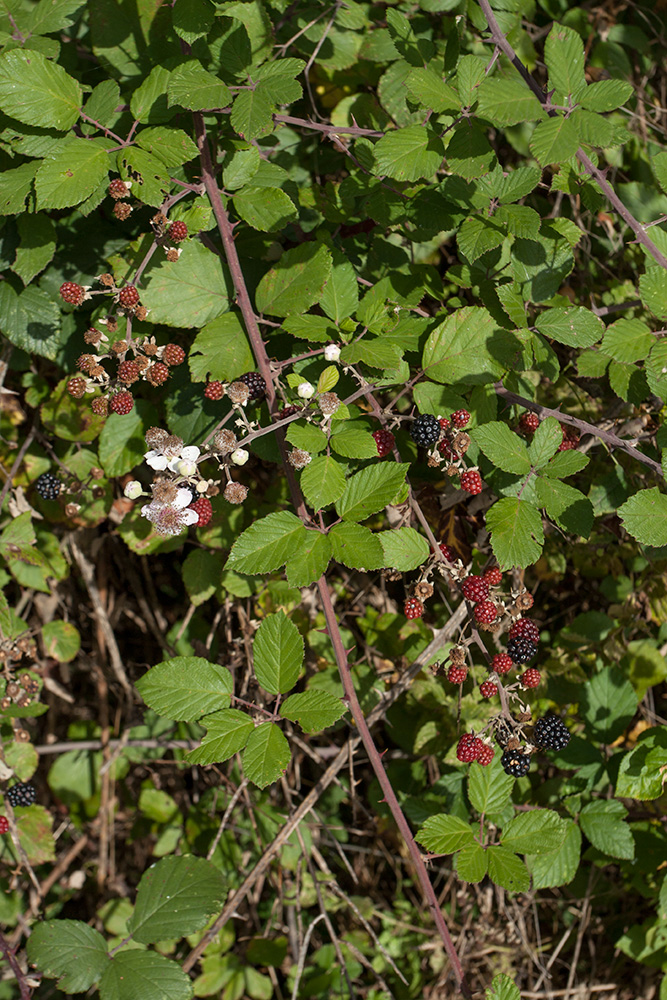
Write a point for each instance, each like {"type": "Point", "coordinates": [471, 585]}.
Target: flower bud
{"type": "Point", "coordinates": [331, 352]}
{"type": "Point", "coordinates": [133, 489]}
{"type": "Point", "coordinates": [240, 456]}
{"type": "Point", "coordinates": [305, 390]}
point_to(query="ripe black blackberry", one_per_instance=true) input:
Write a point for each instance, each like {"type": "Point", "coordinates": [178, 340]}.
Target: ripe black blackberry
{"type": "Point", "coordinates": [520, 650]}
{"type": "Point", "coordinates": [425, 430]}
{"type": "Point", "coordinates": [515, 762]}
{"type": "Point", "coordinates": [20, 794]}
{"type": "Point", "coordinates": [256, 384]}
{"type": "Point", "coordinates": [551, 733]}
{"type": "Point", "coordinates": [48, 486]}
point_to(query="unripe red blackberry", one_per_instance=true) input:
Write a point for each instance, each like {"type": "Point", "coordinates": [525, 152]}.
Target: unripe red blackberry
{"type": "Point", "coordinates": [570, 438]}
{"type": "Point", "coordinates": [157, 374]}
{"type": "Point", "coordinates": [425, 430]}
{"type": "Point", "coordinates": [384, 441]}
{"type": "Point", "coordinates": [529, 422]}
{"type": "Point", "coordinates": [502, 663]}
{"type": "Point", "coordinates": [526, 628]}
{"type": "Point", "coordinates": [460, 418]}
{"type": "Point", "coordinates": [128, 297]}
{"type": "Point", "coordinates": [447, 552]}
{"type": "Point", "coordinates": [121, 403]}
{"type": "Point", "coordinates": [530, 678]}
{"type": "Point", "coordinates": [203, 510]}
{"type": "Point", "coordinates": [487, 689]}
{"type": "Point", "coordinates": [86, 361]}
{"type": "Point", "coordinates": [100, 406]}
{"type": "Point", "coordinates": [445, 449]}
{"type": "Point", "coordinates": [456, 674]}
{"type": "Point", "coordinates": [214, 390]}
{"type": "Point", "coordinates": [493, 576]}
{"type": "Point", "coordinates": [413, 608]}
{"type": "Point", "coordinates": [128, 372]}
{"type": "Point", "coordinates": [118, 189]}
{"type": "Point", "coordinates": [486, 754]}
{"type": "Point", "coordinates": [486, 612]}
{"type": "Point", "coordinates": [471, 482]}
{"type": "Point", "coordinates": [444, 423]}
{"type": "Point", "coordinates": [4, 825]}
{"type": "Point", "coordinates": [76, 387]}
{"type": "Point", "coordinates": [72, 293]}
{"type": "Point", "coordinates": [475, 588]}
{"type": "Point", "coordinates": [468, 749]}
{"type": "Point", "coordinates": [173, 355]}
{"type": "Point", "coordinates": [177, 232]}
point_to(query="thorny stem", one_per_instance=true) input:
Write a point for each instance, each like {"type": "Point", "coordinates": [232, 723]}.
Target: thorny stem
{"type": "Point", "coordinates": [607, 436]}
{"type": "Point", "coordinates": [262, 359]}
{"type": "Point", "coordinates": [499, 39]}
{"type": "Point", "coordinates": [19, 974]}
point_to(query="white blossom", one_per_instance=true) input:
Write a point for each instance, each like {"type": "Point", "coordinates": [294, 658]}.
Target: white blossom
{"type": "Point", "coordinates": [331, 352]}
{"type": "Point", "coordinates": [156, 460]}
{"type": "Point", "coordinates": [305, 390]}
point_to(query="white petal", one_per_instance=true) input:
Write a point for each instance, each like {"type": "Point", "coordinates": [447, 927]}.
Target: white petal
{"type": "Point", "coordinates": [190, 453]}
{"type": "Point", "coordinates": [148, 511]}
{"type": "Point", "coordinates": [190, 516]}
{"type": "Point", "coordinates": [185, 468]}
{"type": "Point", "coordinates": [156, 461]}
{"type": "Point", "coordinates": [172, 465]}
{"type": "Point", "coordinates": [183, 499]}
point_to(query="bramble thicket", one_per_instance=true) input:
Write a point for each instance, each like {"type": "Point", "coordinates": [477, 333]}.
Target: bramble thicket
{"type": "Point", "coordinates": [333, 550]}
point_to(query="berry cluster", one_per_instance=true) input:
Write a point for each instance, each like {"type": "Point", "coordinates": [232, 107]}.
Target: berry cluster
{"type": "Point", "coordinates": [48, 486]}
{"type": "Point", "coordinates": [471, 747]}
{"type": "Point", "coordinates": [384, 441]}
{"type": "Point", "coordinates": [20, 794]}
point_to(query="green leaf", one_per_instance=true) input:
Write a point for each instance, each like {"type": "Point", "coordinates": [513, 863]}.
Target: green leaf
{"type": "Point", "coordinates": [227, 733]}
{"type": "Point", "coordinates": [190, 291]}
{"type": "Point", "coordinates": [445, 834]}
{"type": "Point", "coordinates": [429, 90]}
{"type": "Point", "coordinates": [201, 573]}
{"type": "Point", "coordinates": [329, 377]}
{"type": "Point", "coordinates": [459, 348]}
{"type": "Point", "coordinates": [404, 548]}
{"type": "Point", "coordinates": [369, 490]}
{"type": "Point", "coordinates": [171, 145]}
{"type": "Point", "coordinates": [564, 56]}
{"type": "Point", "coordinates": [627, 339]}
{"type": "Point", "coordinates": [407, 154]}
{"type": "Point", "coordinates": [642, 771]}
{"type": "Point", "coordinates": [603, 822]}
{"type": "Point", "coordinates": [176, 896]}
{"type": "Point", "coordinates": [296, 282]}
{"type": "Point", "coordinates": [565, 505]}
{"type": "Point", "coordinates": [310, 562]}
{"type": "Point", "coordinates": [469, 153]}
{"type": "Point", "coordinates": [565, 463]}
{"type": "Point", "coordinates": [472, 863]}
{"type": "Point", "coordinates": [36, 91]}
{"type": "Point", "coordinates": [307, 437]}
{"type": "Point", "coordinates": [506, 869]}
{"type": "Point", "coordinates": [61, 640]}
{"type": "Point", "coordinates": [139, 973]}
{"type": "Point", "coordinates": [340, 297]}
{"type": "Point", "coordinates": [69, 951]}
{"type": "Point", "coordinates": [221, 350]}
{"type": "Point", "coordinates": [252, 113]}
{"type": "Point", "coordinates": [508, 101]}
{"type": "Point", "coordinates": [560, 866]}
{"type": "Point", "coordinates": [266, 756]}
{"type": "Point", "coordinates": [554, 141]}
{"type": "Point", "coordinates": [478, 235]}
{"type": "Point", "coordinates": [30, 320]}
{"type": "Point", "coordinates": [489, 788]}
{"type": "Point", "coordinates": [656, 369]}
{"type": "Point", "coordinates": [15, 186]}
{"type": "Point", "coordinates": [502, 988]}
{"type": "Point", "coordinates": [193, 87]}
{"type": "Point", "coordinates": [268, 543]}
{"type": "Point", "coordinates": [149, 101]}
{"type": "Point", "coordinates": [356, 547]}
{"type": "Point", "coordinates": [267, 209]}
{"type": "Point", "coordinates": [277, 654]}
{"type": "Point", "coordinates": [193, 19]}
{"type": "Point", "coordinates": [34, 828]}
{"type": "Point", "coordinates": [186, 687]}
{"type": "Point", "coordinates": [574, 326]}
{"type": "Point", "coordinates": [122, 442]}
{"type": "Point", "coordinates": [653, 292]}
{"type": "Point", "coordinates": [516, 530]}
{"type": "Point", "coordinates": [608, 703]}
{"type": "Point", "coordinates": [276, 80]}
{"type": "Point", "coordinates": [149, 176]}
{"type": "Point", "coordinates": [505, 449]}
{"type": "Point", "coordinates": [37, 245]}
{"type": "Point", "coordinates": [545, 443]}
{"type": "Point", "coordinates": [606, 95]}
{"type": "Point", "coordinates": [45, 18]}
{"type": "Point", "coordinates": [538, 831]}
{"type": "Point", "coordinates": [372, 351]}
{"type": "Point", "coordinates": [73, 174]}
{"type": "Point", "coordinates": [644, 516]}
{"type": "Point", "coordinates": [521, 221]}
{"type": "Point", "coordinates": [352, 441]}
{"type": "Point", "coordinates": [314, 710]}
